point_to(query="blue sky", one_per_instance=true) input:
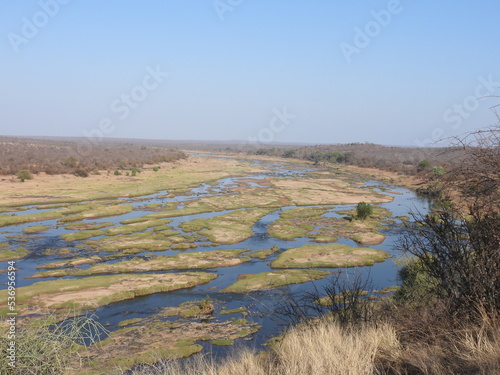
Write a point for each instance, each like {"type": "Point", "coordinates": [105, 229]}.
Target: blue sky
{"type": "Point", "coordinates": [398, 72]}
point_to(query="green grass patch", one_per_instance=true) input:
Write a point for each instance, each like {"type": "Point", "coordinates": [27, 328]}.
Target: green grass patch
{"type": "Point", "coordinates": [222, 342]}
{"type": "Point", "coordinates": [100, 211]}
{"type": "Point", "coordinates": [129, 322]}
{"type": "Point", "coordinates": [233, 311]}
{"type": "Point", "coordinates": [136, 227]}
{"type": "Point", "coordinates": [36, 229]}
{"type": "Point", "coordinates": [13, 254]}
{"type": "Point", "coordinates": [229, 228]}
{"type": "Point", "coordinates": [197, 260]}
{"type": "Point", "coordinates": [54, 273]}
{"type": "Point", "coordinates": [71, 262]}
{"type": "Point", "coordinates": [328, 256]}
{"type": "Point", "coordinates": [14, 219]}
{"type": "Point", "coordinates": [295, 223]}
{"type": "Point", "coordinates": [82, 235]}
{"type": "Point", "coordinates": [88, 226]}
{"type": "Point", "coordinates": [93, 292]}
{"type": "Point", "coordinates": [274, 279]}
{"type": "Point", "coordinates": [388, 290]}
{"type": "Point", "coordinates": [263, 254]}
{"type": "Point", "coordinates": [147, 241]}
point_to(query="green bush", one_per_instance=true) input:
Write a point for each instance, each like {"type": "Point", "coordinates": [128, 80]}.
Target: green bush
{"type": "Point", "coordinates": [423, 165]}
{"type": "Point", "coordinates": [417, 286]}
{"type": "Point", "coordinates": [24, 174]}
{"type": "Point", "coordinates": [437, 171]}
{"type": "Point", "coordinates": [118, 173]}
{"type": "Point", "coordinates": [363, 210]}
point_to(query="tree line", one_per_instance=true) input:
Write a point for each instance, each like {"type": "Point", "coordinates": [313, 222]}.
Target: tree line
{"type": "Point", "coordinates": [63, 157]}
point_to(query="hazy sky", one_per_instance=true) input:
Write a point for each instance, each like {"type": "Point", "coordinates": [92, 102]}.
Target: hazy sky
{"type": "Point", "coordinates": [316, 71]}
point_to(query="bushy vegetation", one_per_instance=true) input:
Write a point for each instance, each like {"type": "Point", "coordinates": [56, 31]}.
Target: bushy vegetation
{"type": "Point", "coordinates": [457, 245]}
{"type": "Point", "coordinates": [57, 157]}
{"type": "Point", "coordinates": [24, 174]}
{"type": "Point", "coordinates": [363, 210]}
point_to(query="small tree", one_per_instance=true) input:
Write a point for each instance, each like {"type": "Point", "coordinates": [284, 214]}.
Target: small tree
{"type": "Point", "coordinates": [24, 174]}
{"type": "Point", "coordinates": [363, 210]}
{"type": "Point", "coordinates": [424, 165]}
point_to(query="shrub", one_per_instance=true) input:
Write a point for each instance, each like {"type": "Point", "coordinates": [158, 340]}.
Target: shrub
{"type": "Point", "coordinates": [117, 173]}
{"type": "Point", "coordinates": [417, 286]}
{"type": "Point", "coordinates": [363, 210]}
{"type": "Point", "coordinates": [423, 165]}
{"type": "Point", "coordinates": [437, 171]}
{"type": "Point", "coordinates": [462, 253]}
{"type": "Point", "coordinates": [81, 172]}
{"type": "Point", "coordinates": [24, 174]}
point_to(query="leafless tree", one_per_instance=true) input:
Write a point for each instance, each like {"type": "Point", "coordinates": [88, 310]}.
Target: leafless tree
{"type": "Point", "coordinates": [458, 244]}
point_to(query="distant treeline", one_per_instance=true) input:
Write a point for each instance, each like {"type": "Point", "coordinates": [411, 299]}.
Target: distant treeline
{"type": "Point", "coordinates": [78, 157]}
{"type": "Point", "coordinates": [396, 159]}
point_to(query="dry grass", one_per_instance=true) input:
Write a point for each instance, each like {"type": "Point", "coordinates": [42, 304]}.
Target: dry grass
{"type": "Point", "coordinates": [185, 173]}
{"type": "Point", "coordinates": [324, 347]}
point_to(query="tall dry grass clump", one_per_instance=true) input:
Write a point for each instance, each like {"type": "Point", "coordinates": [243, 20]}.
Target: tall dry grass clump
{"type": "Point", "coordinates": [320, 348]}
{"type": "Point", "coordinates": [46, 348]}
{"type": "Point", "coordinates": [479, 347]}
{"type": "Point", "coordinates": [328, 348]}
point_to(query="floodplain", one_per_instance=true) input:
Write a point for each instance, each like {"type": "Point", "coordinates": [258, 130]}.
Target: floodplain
{"type": "Point", "coordinates": [190, 256]}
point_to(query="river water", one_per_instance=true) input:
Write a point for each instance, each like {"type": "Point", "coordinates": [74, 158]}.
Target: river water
{"type": "Point", "coordinates": [260, 304]}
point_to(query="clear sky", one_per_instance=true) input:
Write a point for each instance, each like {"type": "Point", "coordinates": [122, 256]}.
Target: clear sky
{"type": "Point", "coordinates": [315, 71]}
